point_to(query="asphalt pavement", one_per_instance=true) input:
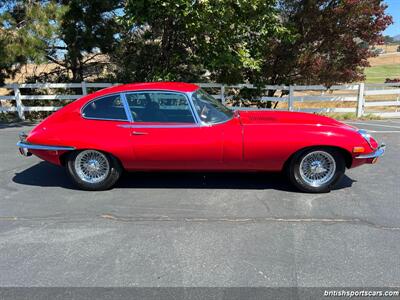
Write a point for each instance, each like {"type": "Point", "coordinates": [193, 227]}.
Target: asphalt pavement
{"type": "Point", "coordinates": [200, 229]}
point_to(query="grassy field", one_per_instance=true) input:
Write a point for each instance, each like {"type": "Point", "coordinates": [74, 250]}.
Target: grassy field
{"type": "Point", "coordinates": [384, 66]}
{"type": "Point", "coordinates": [378, 74]}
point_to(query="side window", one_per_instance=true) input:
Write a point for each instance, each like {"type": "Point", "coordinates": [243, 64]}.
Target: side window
{"type": "Point", "coordinates": [109, 108]}
{"type": "Point", "coordinates": [159, 107]}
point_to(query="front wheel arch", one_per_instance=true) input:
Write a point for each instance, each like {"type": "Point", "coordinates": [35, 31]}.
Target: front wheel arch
{"type": "Point", "coordinates": [346, 155]}
{"type": "Point", "coordinates": [293, 169]}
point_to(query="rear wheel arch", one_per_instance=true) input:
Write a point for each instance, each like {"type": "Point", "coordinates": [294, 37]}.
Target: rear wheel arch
{"type": "Point", "coordinates": [64, 157]}
{"type": "Point", "coordinates": [92, 169]}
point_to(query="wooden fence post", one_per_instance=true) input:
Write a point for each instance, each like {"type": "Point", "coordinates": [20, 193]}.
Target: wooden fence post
{"type": "Point", "coordinates": [18, 102]}
{"type": "Point", "coordinates": [84, 88]}
{"type": "Point", "coordinates": [360, 100]}
{"type": "Point", "coordinates": [291, 99]}
{"type": "Point", "coordinates": [223, 94]}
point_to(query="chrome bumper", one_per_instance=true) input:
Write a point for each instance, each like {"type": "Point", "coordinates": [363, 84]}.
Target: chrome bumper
{"type": "Point", "coordinates": [377, 153]}
{"type": "Point", "coordinates": [25, 146]}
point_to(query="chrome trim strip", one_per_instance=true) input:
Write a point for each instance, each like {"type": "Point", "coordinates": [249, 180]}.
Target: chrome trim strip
{"type": "Point", "coordinates": [189, 125]}
{"type": "Point", "coordinates": [194, 111]}
{"type": "Point", "coordinates": [198, 119]}
{"type": "Point", "coordinates": [377, 153]}
{"type": "Point", "coordinates": [27, 145]}
{"type": "Point", "coordinates": [126, 107]}
{"type": "Point", "coordinates": [102, 119]}
{"type": "Point", "coordinates": [188, 99]}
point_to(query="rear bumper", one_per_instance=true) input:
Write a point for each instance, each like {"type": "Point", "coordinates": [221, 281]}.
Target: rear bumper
{"type": "Point", "coordinates": [28, 146]}
{"type": "Point", "coordinates": [24, 151]}
{"type": "Point", "coordinates": [25, 146]}
{"type": "Point", "coordinates": [377, 153]}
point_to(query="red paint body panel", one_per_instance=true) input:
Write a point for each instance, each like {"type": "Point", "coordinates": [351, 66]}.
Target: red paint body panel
{"type": "Point", "coordinates": [176, 148]}
{"type": "Point", "coordinates": [270, 138]}
{"type": "Point", "coordinates": [50, 156]}
{"type": "Point", "coordinates": [251, 141]}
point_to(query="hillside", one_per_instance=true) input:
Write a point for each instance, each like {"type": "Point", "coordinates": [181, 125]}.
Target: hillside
{"type": "Point", "coordinates": [386, 65]}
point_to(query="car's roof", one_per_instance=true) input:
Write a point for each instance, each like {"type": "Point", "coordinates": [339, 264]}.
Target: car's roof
{"type": "Point", "coordinates": [155, 86]}
{"type": "Point", "coordinates": [168, 86]}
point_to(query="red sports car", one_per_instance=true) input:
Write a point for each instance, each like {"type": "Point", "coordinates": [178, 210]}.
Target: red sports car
{"type": "Point", "coordinates": [177, 126]}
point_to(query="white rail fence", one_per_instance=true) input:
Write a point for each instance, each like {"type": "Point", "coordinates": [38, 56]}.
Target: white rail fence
{"type": "Point", "coordinates": [378, 99]}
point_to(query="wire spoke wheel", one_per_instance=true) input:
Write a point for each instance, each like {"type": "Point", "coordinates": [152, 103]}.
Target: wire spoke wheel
{"type": "Point", "coordinates": [92, 166]}
{"type": "Point", "coordinates": [317, 168]}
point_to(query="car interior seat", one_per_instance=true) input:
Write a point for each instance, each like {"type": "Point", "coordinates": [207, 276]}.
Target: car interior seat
{"type": "Point", "coordinates": [152, 113]}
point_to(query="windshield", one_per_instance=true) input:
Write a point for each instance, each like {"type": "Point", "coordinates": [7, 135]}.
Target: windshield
{"type": "Point", "coordinates": [209, 109]}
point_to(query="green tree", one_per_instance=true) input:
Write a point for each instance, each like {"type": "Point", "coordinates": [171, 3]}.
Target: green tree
{"type": "Point", "coordinates": [235, 35]}
{"type": "Point", "coordinates": [329, 41]}
{"type": "Point", "coordinates": [158, 41]}
{"type": "Point", "coordinates": [230, 41]}
{"type": "Point", "coordinates": [87, 30]}
{"type": "Point", "coordinates": [26, 28]}
{"type": "Point", "coordinates": [192, 40]}
{"type": "Point", "coordinates": [71, 34]}
{"type": "Point", "coordinates": [325, 42]}
{"type": "Point", "coordinates": [388, 39]}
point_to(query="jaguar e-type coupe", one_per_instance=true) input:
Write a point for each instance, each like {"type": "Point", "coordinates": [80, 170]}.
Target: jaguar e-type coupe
{"type": "Point", "coordinates": [178, 126]}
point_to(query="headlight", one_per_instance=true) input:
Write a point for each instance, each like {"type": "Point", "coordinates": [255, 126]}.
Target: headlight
{"type": "Point", "coordinates": [370, 140]}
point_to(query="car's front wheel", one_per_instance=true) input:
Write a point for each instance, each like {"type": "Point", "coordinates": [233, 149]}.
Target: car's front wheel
{"type": "Point", "coordinates": [316, 170]}
{"type": "Point", "coordinates": [93, 170]}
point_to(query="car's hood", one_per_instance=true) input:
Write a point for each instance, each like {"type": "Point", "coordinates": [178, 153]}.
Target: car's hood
{"type": "Point", "coordinates": [285, 117]}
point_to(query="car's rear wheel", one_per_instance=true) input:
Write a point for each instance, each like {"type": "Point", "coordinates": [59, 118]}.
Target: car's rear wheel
{"type": "Point", "coordinates": [93, 170]}
{"type": "Point", "coordinates": [316, 170]}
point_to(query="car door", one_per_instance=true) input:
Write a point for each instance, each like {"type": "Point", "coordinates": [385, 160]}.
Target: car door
{"type": "Point", "coordinates": [165, 135]}
{"type": "Point", "coordinates": [103, 127]}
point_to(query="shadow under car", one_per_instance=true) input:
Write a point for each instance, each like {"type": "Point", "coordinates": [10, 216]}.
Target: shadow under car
{"type": "Point", "coordinates": [45, 174]}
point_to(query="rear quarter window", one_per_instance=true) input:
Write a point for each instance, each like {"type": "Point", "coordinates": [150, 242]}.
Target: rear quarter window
{"type": "Point", "coordinates": [105, 108]}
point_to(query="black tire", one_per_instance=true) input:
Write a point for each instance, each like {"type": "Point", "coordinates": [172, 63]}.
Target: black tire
{"type": "Point", "coordinates": [298, 179]}
{"type": "Point", "coordinates": [110, 178]}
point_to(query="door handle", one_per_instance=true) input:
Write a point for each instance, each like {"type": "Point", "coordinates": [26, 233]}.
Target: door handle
{"type": "Point", "coordinates": [139, 133]}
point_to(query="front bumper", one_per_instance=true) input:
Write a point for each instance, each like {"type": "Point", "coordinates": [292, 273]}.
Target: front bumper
{"type": "Point", "coordinates": [375, 154]}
